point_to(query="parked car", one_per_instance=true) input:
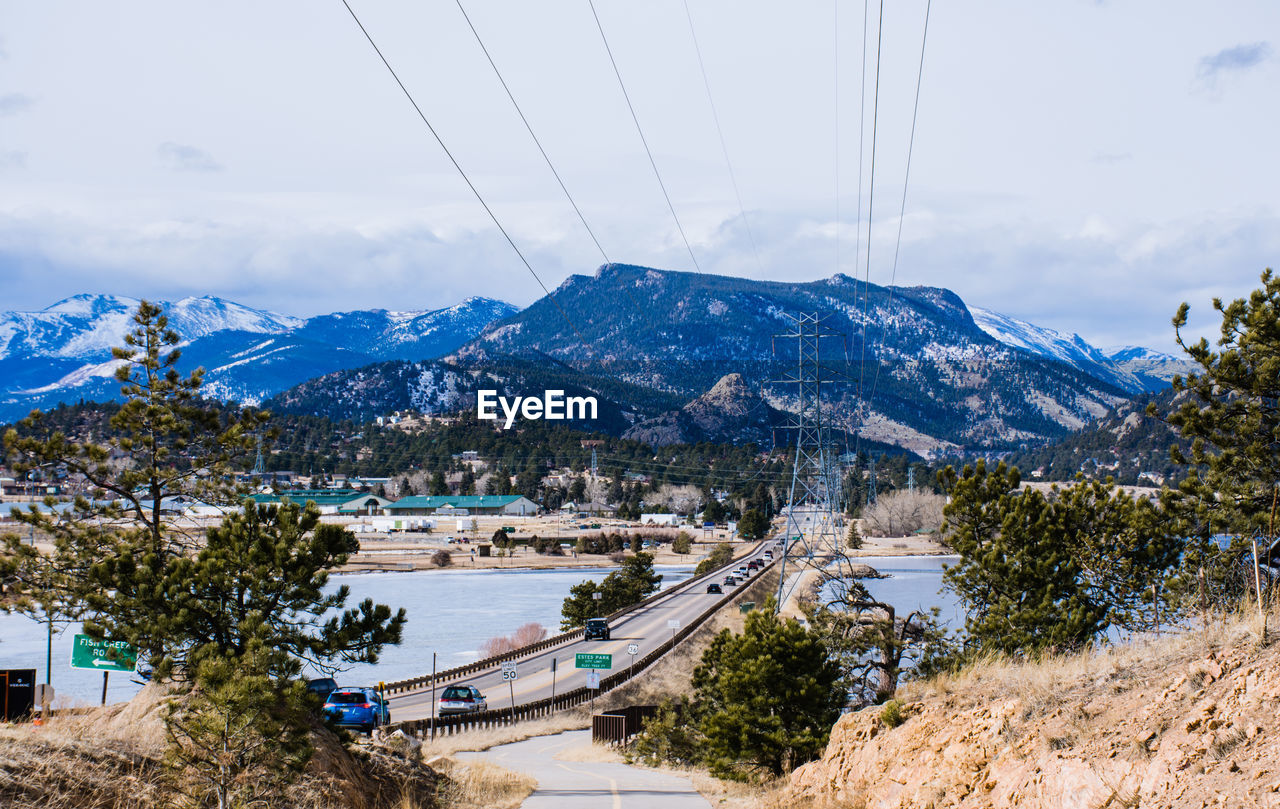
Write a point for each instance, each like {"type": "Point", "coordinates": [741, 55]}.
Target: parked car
{"type": "Point", "coordinates": [597, 629]}
{"type": "Point", "coordinates": [458, 699]}
{"type": "Point", "coordinates": [714, 588]}
{"type": "Point", "coordinates": [360, 708]}
{"type": "Point", "coordinates": [322, 687]}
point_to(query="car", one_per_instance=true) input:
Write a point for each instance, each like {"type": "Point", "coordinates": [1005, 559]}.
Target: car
{"type": "Point", "coordinates": [322, 687]}
{"type": "Point", "coordinates": [597, 629]}
{"type": "Point", "coordinates": [729, 581]}
{"type": "Point", "coordinates": [753, 565]}
{"type": "Point", "coordinates": [360, 708]}
{"type": "Point", "coordinates": [460, 699]}
{"type": "Point", "coordinates": [714, 588]}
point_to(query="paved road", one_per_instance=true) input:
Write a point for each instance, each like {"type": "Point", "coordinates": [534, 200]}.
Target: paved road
{"type": "Point", "coordinates": [589, 784]}
{"type": "Point", "coordinates": [646, 627]}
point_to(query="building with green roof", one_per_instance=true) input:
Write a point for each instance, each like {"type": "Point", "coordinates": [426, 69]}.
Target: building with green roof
{"type": "Point", "coordinates": [513, 505]}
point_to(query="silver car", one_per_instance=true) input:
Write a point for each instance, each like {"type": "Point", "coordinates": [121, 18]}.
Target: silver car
{"type": "Point", "coordinates": [459, 699]}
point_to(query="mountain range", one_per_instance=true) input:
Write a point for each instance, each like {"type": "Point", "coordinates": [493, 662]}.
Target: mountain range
{"type": "Point", "coordinates": [912, 367]}
{"type": "Point", "coordinates": [63, 353]}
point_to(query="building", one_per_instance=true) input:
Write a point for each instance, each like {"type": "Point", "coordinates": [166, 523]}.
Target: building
{"type": "Point", "coordinates": [366, 505]}
{"type": "Point", "coordinates": [422, 505]}
{"type": "Point", "coordinates": [329, 501]}
{"type": "Point", "coordinates": [591, 507]}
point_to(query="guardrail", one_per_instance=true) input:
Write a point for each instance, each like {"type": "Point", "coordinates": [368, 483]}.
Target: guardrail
{"type": "Point", "coordinates": [426, 680]}
{"type": "Point", "coordinates": [532, 710]}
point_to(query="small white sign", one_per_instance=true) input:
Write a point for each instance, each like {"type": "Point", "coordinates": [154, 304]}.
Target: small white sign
{"type": "Point", "coordinates": [44, 693]}
{"type": "Point", "coordinates": [633, 649]}
{"type": "Point", "coordinates": [674, 623]}
{"type": "Point", "coordinates": [593, 679]}
{"type": "Point", "coordinates": [509, 671]}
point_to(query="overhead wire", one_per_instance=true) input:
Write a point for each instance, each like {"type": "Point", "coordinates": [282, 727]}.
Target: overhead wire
{"type": "Point", "coordinates": [639, 130]}
{"type": "Point", "coordinates": [528, 127]}
{"type": "Point", "coordinates": [871, 199]}
{"type": "Point", "coordinates": [479, 197]}
{"type": "Point", "coordinates": [915, 112]}
{"type": "Point", "coordinates": [733, 178]}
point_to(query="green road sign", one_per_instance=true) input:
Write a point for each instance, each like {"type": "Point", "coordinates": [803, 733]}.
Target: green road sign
{"type": "Point", "coordinates": [593, 661]}
{"type": "Point", "coordinates": [88, 653]}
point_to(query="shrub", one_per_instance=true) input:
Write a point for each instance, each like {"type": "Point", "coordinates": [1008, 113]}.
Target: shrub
{"type": "Point", "coordinates": [891, 714]}
{"type": "Point", "coordinates": [442, 558]}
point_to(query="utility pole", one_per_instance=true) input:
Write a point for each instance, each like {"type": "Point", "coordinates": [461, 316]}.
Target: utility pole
{"type": "Point", "coordinates": [814, 475]}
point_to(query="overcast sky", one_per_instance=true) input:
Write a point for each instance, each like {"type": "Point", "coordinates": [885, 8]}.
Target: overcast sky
{"type": "Point", "coordinates": [1082, 165]}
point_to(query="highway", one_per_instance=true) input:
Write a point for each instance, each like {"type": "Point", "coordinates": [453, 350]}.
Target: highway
{"type": "Point", "coordinates": [645, 627]}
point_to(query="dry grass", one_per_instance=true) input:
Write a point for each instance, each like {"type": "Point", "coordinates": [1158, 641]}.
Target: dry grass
{"type": "Point", "coordinates": [483, 785]}
{"type": "Point", "coordinates": [477, 740]}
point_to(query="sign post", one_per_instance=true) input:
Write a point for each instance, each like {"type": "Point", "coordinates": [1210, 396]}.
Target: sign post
{"type": "Point", "coordinates": [593, 682]}
{"type": "Point", "coordinates": [510, 674]}
{"type": "Point", "coordinates": [553, 682]}
{"type": "Point", "coordinates": [633, 649]}
{"type": "Point", "coordinates": [105, 656]}
{"type": "Point", "coordinates": [433, 696]}
{"type": "Point", "coordinates": [673, 625]}
{"type": "Point", "coordinates": [594, 662]}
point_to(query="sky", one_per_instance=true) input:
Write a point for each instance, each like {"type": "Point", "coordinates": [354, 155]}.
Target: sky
{"type": "Point", "coordinates": [1086, 166]}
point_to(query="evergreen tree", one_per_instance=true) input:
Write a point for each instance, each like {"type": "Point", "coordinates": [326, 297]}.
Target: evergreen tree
{"type": "Point", "coordinates": [634, 582]}
{"type": "Point", "coordinates": [438, 485]}
{"type": "Point", "coordinates": [767, 698]}
{"type": "Point", "coordinates": [1037, 572]}
{"type": "Point", "coordinates": [753, 524]}
{"type": "Point", "coordinates": [714, 511]}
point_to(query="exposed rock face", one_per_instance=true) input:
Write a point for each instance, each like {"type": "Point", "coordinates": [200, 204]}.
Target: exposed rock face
{"type": "Point", "coordinates": [730, 411]}
{"type": "Point", "coordinates": [1198, 735]}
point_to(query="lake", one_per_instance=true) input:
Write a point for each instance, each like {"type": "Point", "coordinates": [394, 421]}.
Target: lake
{"type": "Point", "coordinates": [452, 612]}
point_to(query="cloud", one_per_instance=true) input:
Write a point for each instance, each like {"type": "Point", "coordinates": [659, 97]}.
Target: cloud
{"type": "Point", "coordinates": [1235, 59]}
{"type": "Point", "coordinates": [13, 160]}
{"type": "Point", "coordinates": [1111, 157]}
{"type": "Point", "coordinates": [14, 103]}
{"type": "Point", "coordinates": [180, 157]}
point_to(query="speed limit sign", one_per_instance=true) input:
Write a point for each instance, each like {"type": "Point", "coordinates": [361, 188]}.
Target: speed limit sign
{"type": "Point", "coordinates": [509, 671]}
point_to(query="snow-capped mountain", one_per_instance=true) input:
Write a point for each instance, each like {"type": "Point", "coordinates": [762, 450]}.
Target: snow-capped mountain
{"type": "Point", "coordinates": [1155, 365]}
{"type": "Point", "coordinates": [1072, 350]}
{"type": "Point", "coordinates": [63, 352]}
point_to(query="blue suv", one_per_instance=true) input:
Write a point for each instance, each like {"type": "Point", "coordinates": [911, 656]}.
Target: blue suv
{"type": "Point", "coordinates": [360, 708]}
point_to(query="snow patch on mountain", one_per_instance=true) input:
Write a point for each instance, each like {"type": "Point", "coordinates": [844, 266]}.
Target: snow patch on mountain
{"type": "Point", "coordinates": [1070, 349]}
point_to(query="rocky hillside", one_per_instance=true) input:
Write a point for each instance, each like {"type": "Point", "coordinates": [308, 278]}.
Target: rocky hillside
{"type": "Point", "coordinates": [731, 412]}
{"type": "Point", "coordinates": [912, 368]}
{"type": "Point", "coordinates": [1188, 721]}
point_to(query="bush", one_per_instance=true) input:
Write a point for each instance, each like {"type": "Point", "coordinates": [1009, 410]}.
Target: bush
{"type": "Point", "coordinates": [442, 559]}
{"type": "Point", "coordinates": [683, 543]}
{"type": "Point", "coordinates": [753, 525]}
{"type": "Point", "coordinates": [524, 636]}
{"type": "Point", "coordinates": [891, 714]}
{"type": "Point", "coordinates": [903, 512]}
{"type": "Point", "coordinates": [720, 556]}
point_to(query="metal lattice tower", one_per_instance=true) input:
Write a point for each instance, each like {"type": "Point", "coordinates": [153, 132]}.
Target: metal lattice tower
{"type": "Point", "coordinates": [812, 538]}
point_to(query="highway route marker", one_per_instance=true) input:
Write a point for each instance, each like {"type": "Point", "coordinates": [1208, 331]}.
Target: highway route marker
{"type": "Point", "coordinates": [633, 649]}
{"type": "Point", "coordinates": [592, 660]}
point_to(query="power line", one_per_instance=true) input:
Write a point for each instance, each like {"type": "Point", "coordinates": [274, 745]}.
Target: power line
{"type": "Point", "coordinates": [871, 200]}
{"type": "Point", "coordinates": [719, 131]}
{"type": "Point", "coordinates": [640, 131]}
{"type": "Point", "coordinates": [529, 127]}
{"type": "Point", "coordinates": [467, 179]}
{"type": "Point", "coordinates": [915, 111]}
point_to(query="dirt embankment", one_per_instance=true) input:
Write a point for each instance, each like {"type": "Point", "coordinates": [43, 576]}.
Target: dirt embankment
{"type": "Point", "coordinates": [1186, 721]}
{"type": "Point", "coordinates": [112, 758]}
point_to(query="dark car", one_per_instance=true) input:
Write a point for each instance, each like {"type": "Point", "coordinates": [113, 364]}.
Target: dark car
{"type": "Point", "coordinates": [597, 629]}
{"type": "Point", "coordinates": [714, 588]}
{"type": "Point", "coordinates": [730, 581]}
{"type": "Point", "coordinates": [458, 699]}
{"type": "Point", "coordinates": [360, 708]}
{"type": "Point", "coordinates": [753, 565]}
{"type": "Point", "coordinates": [322, 687]}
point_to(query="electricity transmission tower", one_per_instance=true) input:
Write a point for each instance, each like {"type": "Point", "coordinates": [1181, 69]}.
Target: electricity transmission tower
{"type": "Point", "coordinates": [812, 537]}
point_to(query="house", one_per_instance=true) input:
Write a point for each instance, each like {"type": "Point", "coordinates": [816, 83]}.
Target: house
{"type": "Point", "coordinates": [366, 505]}
{"type": "Point", "coordinates": [422, 505]}
{"type": "Point", "coordinates": [660, 519]}
{"type": "Point", "coordinates": [327, 500]}
{"type": "Point", "coordinates": [589, 507]}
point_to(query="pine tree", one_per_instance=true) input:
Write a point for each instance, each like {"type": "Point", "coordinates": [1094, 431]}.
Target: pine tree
{"type": "Point", "coordinates": [634, 582]}
{"type": "Point", "coordinates": [1039, 572]}
{"type": "Point", "coordinates": [766, 698]}
{"type": "Point", "coordinates": [753, 525]}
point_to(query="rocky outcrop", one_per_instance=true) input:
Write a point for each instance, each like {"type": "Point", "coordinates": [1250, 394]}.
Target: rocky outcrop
{"type": "Point", "coordinates": [1204, 733]}
{"type": "Point", "coordinates": [730, 412]}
